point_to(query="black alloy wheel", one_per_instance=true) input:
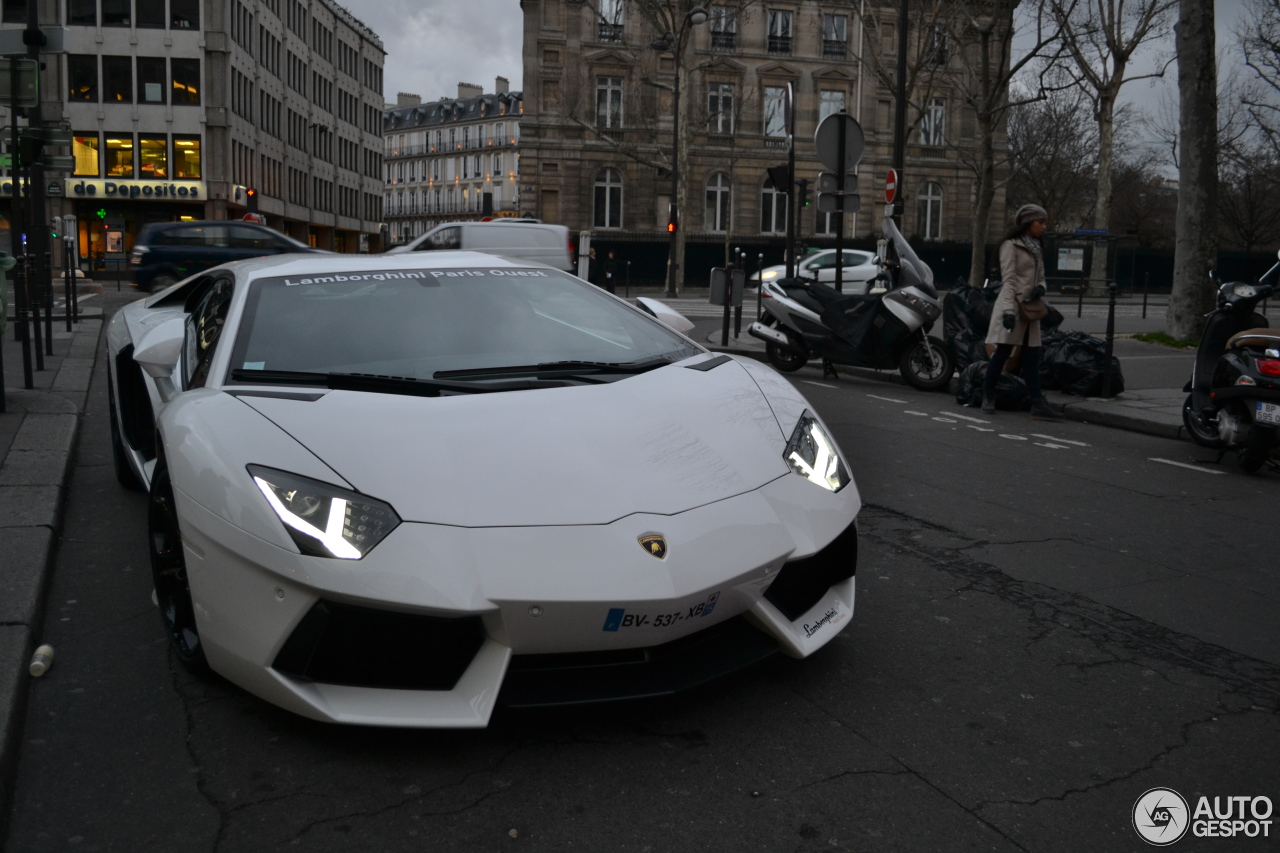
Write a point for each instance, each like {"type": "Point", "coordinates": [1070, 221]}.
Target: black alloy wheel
{"type": "Point", "coordinates": [169, 571]}
{"type": "Point", "coordinates": [119, 457]}
{"type": "Point", "coordinates": [926, 365]}
{"type": "Point", "coordinates": [1202, 431]}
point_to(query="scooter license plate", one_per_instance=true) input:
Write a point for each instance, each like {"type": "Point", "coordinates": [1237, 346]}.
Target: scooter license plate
{"type": "Point", "coordinates": [1267, 413]}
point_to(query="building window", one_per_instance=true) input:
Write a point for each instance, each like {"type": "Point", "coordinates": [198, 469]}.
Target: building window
{"type": "Point", "coordinates": [151, 77]}
{"type": "Point", "coordinates": [84, 12]}
{"type": "Point", "coordinates": [184, 14]}
{"type": "Point", "coordinates": [720, 108]}
{"type": "Point", "coordinates": [717, 209]}
{"type": "Point", "coordinates": [773, 209]}
{"type": "Point", "coordinates": [938, 44]}
{"type": "Point", "coordinates": [82, 78]}
{"type": "Point", "coordinates": [610, 29]}
{"type": "Point", "coordinates": [150, 14]}
{"type": "Point", "coordinates": [775, 120]}
{"type": "Point", "coordinates": [835, 36]}
{"type": "Point", "coordinates": [186, 81]}
{"type": "Point", "coordinates": [153, 157]}
{"type": "Point", "coordinates": [932, 122]}
{"type": "Point", "coordinates": [608, 213]}
{"type": "Point", "coordinates": [117, 13]}
{"type": "Point", "coordinates": [497, 164]}
{"type": "Point", "coordinates": [779, 31]}
{"type": "Point", "coordinates": [120, 157]}
{"type": "Point", "coordinates": [724, 27]}
{"type": "Point", "coordinates": [186, 157]}
{"type": "Point", "coordinates": [825, 223]}
{"type": "Point", "coordinates": [84, 147]}
{"type": "Point", "coordinates": [931, 211]}
{"type": "Point", "coordinates": [608, 102]}
{"type": "Point", "coordinates": [117, 79]}
{"type": "Point", "coordinates": [15, 11]}
{"type": "Point", "coordinates": [830, 102]}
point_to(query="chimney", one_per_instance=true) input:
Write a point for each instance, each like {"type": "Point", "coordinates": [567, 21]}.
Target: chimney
{"type": "Point", "coordinates": [405, 99]}
{"type": "Point", "coordinates": [469, 90]}
{"type": "Point", "coordinates": [501, 86]}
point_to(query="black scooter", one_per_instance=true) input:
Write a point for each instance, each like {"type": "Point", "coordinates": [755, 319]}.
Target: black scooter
{"type": "Point", "coordinates": [1235, 385]}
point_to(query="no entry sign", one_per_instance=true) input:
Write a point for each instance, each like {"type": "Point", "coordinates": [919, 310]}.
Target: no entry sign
{"type": "Point", "coordinates": [891, 186]}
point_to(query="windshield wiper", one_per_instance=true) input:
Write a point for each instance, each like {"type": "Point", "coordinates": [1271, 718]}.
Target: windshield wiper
{"type": "Point", "coordinates": [574, 367]}
{"type": "Point", "coordinates": [381, 384]}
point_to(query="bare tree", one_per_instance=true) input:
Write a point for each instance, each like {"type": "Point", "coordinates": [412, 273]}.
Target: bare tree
{"type": "Point", "coordinates": [1196, 249]}
{"type": "Point", "coordinates": [1259, 38]}
{"type": "Point", "coordinates": [1101, 37]}
{"type": "Point", "coordinates": [1249, 196]}
{"type": "Point", "coordinates": [1053, 151]}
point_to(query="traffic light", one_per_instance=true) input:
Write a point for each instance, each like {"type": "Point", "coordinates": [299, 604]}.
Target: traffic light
{"type": "Point", "coordinates": [802, 192]}
{"type": "Point", "coordinates": [101, 212]}
{"type": "Point", "coordinates": [251, 196]}
{"type": "Point", "coordinates": [54, 227]}
{"type": "Point", "coordinates": [672, 221]}
{"type": "Point", "coordinates": [781, 176]}
{"type": "Point", "coordinates": [29, 149]}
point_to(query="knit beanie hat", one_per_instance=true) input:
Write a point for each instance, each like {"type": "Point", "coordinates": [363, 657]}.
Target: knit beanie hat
{"type": "Point", "coordinates": [1029, 213]}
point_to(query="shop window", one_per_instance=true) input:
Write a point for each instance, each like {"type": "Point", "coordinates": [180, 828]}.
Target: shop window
{"type": "Point", "coordinates": [150, 14]}
{"type": "Point", "coordinates": [151, 71]}
{"type": "Point", "coordinates": [120, 157]}
{"type": "Point", "coordinates": [153, 157]}
{"type": "Point", "coordinates": [186, 81]}
{"type": "Point", "coordinates": [85, 149]}
{"type": "Point", "coordinates": [84, 12]}
{"type": "Point", "coordinates": [186, 158]}
{"type": "Point", "coordinates": [15, 12]}
{"type": "Point", "coordinates": [82, 78]}
{"type": "Point", "coordinates": [184, 14]}
{"type": "Point", "coordinates": [117, 13]}
{"type": "Point", "coordinates": [117, 79]}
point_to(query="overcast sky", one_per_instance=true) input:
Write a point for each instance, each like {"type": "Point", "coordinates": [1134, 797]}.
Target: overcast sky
{"type": "Point", "coordinates": [433, 44]}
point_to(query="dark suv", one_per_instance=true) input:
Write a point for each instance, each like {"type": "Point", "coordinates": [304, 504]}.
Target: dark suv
{"type": "Point", "coordinates": [169, 251]}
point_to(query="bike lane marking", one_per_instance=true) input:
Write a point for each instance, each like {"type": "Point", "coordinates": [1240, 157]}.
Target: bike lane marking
{"type": "Point", "coordinates": [1059, 440]}
{"type": "Point", "coordinates": [1184, 465]}
{"type": "Point", "coordinates": [886, 399]}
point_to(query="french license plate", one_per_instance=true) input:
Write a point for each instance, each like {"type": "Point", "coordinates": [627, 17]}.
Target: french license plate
{"type": "Point", "coordinates": [1267, 413]}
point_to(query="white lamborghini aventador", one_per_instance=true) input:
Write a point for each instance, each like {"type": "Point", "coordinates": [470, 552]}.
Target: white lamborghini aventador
{"type": "Point", "coordinates": [397, 490]}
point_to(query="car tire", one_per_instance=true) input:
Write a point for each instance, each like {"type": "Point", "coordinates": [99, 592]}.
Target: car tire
{"type": "Point", "coordinates": [119, 456]}
{"type": "Point", "coordinates": [169, 572]}
{"type": "Point", "coordinates": [921, 371]}
{"type": "Point", "coordinates": [160, 282]}
{"type": "Point", "coordinates": [1203, 434]}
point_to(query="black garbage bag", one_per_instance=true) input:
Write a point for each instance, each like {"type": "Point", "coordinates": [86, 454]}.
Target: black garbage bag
{"type": "Point", "coordinates": [1074, 363]}
{"type": "Point", "coordinates": [966, 314]}
{"type": "Point", "coordinates": [1011, 391]}
{"type": "Point", "coordinates": [1051, 321]}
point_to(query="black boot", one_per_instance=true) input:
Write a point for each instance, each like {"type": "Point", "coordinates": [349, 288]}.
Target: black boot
{"type": "Point", "coordinates": [1040, 411]}
{"type": "Point", "coordinates": [988, 404]}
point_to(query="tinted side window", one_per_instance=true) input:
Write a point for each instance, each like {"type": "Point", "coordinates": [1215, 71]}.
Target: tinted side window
{"type": "Point", "coordinates": [193, 235]}
{"type": "Point", "coordinates": [445, 238]}
{"type": "Point", "coordinates": [204, 330]}
{"type": "Point", "coordinates": [245, 237]}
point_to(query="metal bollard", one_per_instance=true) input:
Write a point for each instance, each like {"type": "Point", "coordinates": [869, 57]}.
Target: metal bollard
{"type": "Point", "coordinates": [46, 284]}
{"type": "Point", "coordinates": [33, 304]}
{"type": "Point", "coordinates": [628, 279]}
{"type": "Point", "coordinates": [68, 284]}
{"type": "Point", "coordinates": [760, 285]}
{"type": "Point", "coordinates": [1111, 337]}
{"type": "Point", "coordinates": [1084, 285]}
{"type": "Point", "coordinates": [728, 305]}
{"type": "Point", "coordinates": [1146, 283]}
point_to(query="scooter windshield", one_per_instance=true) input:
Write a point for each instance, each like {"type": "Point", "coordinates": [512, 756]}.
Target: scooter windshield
{"type": "Point", "coordinates": [914, 271]}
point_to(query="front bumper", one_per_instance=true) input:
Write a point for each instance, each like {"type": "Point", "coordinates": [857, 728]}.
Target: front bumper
{"type": "Point", "coordinates": [423, 630]}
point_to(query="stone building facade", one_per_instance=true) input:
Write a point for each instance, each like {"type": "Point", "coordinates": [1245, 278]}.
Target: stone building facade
{"type": "Point", "coordinates": [452, 159]}
{"type": "Point", "coordinates": [597, 128]}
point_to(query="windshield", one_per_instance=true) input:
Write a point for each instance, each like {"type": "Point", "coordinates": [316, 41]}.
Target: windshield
{"type": "Point", "coordinates": [421, 322]}
{"type": "Point", "coordinates": [915, 272]}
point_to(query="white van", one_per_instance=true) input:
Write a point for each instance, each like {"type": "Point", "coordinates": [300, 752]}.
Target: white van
{"type": "Point", "coordinates": [527, 241]}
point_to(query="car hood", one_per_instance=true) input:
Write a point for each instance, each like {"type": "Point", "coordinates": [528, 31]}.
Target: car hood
{"type": "Point", "coordinates": [661, 442]}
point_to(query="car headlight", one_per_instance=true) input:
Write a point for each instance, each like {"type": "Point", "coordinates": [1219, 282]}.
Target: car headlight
{"type": "Point", "coordinates": [768, 274]}
{"type": "Point", "coordinates": [812, 454]}
{"type": "Point", "coordinates": [324, 520]}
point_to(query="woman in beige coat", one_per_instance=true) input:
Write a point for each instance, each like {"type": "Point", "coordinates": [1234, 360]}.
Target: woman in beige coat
{"type": "Point", "coordinates": [1022, 273]}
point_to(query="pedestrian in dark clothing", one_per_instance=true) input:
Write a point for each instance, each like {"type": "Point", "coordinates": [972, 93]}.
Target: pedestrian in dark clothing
{"type": "Point", "coordinates": [593, 272]}
{"type": "Point", "coordinates": [611, 267]}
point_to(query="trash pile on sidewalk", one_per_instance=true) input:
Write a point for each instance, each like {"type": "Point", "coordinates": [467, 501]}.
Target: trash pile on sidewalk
{"type": "Point", "coordinates": [1070, 362]}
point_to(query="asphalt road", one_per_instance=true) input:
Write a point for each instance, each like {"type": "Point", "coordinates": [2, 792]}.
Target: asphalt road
{"type": "Point", "coordinates": [1049, 624]}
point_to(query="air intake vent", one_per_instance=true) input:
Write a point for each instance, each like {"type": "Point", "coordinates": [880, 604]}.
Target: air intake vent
{"type": "Point", "coordinates": [802, 583]}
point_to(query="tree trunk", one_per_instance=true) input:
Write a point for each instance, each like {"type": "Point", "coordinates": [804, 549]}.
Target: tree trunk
{"type": "Point", "coordinates": [1102, 207]}
{"type": "Point", "coordinates": [986, 195]}
{"type": "Point", "coordinates": [1195, 249]}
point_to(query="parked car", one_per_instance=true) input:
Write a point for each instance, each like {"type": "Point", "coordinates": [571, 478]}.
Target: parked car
{"type": "Point", "coordinates": [526, 241]}
{"type": "Point", "coordinates": [396, 490]}
{"type": "Point", "coordinates": [859, 269]}
{"type": "Point", "coordinates": [167, 252]}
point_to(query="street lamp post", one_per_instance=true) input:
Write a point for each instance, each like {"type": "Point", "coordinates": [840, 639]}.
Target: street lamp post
{"type": "Point", "coordinates": [674, 41]}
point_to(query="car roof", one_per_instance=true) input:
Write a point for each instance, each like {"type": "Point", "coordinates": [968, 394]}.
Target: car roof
{"type": "Point", "coordinates": [300, 264]}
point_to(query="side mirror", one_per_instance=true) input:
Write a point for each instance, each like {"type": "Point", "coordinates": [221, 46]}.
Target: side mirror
{"type": "Point", "coordinates": [876, 260]}
{"type": "Point", "coordinates": [665, 315]}
{"type": "Point", "coordinates": [158, 351]}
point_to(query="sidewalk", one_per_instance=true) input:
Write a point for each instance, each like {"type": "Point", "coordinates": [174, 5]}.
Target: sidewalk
{"type": "Point", "coordinates": [37, 437]}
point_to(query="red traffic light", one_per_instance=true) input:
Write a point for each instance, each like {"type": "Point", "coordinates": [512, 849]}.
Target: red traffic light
{"type": "Point", "coordinates": [671, 228]}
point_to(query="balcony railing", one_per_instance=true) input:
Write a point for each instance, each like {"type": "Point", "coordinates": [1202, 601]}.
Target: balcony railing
{"type": "Point", "coordinates": [724, 41]}
{"type": "Point", "coordinates": [832, 49]}
{"type": "Point", "coordinates": [780, 44]}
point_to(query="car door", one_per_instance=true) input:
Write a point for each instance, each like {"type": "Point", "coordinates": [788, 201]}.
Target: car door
{"type": "Point", "coordinates": [250, 241]}
{"type": "Point", "coordinates": [205, 325]}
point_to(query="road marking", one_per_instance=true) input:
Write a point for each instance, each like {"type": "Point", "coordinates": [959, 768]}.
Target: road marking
{"type": "Point", "coordinates": [965, 418]}
{"type": "Point", "coordinates": [819, 384]}
{"type": "Point", "coordinates": [1014, 437]}
{"type": "Point", "coordinates": [1185, 465]}
{"type": "Point", "coordinates": [921, 414]}
{"type": "Point", "coordinates": [1061, 440]}
{"type": "Point", "coordinates": [978, 428]}
{"type": "Point", "coordinates": [886, 399]}
{"type": "Point", "coordinates": [946, 420]}
{"type": "Point", "coordinates": [1047, 444]}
